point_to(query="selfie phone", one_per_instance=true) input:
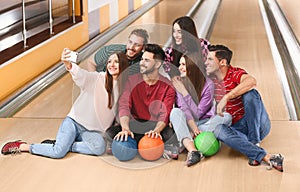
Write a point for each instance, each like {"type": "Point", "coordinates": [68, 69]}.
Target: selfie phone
{"type": "Point", "coordinates": [73, 57]}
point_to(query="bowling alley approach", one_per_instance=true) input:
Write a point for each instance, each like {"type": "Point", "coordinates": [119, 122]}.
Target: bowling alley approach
{"type": "Point", "coordinates": [149, 95]}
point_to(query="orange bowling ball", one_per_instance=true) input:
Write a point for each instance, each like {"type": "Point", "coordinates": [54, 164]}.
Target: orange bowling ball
{"type": "Point", "coordinates": [150, 149]}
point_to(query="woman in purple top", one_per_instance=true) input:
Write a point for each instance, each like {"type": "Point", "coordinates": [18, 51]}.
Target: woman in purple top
{"type": "Point", "coordinates": [194, 99]}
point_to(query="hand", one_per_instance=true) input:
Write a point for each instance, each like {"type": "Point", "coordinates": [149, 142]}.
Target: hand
{"type": "Point", "coordinates": [196, 131]}
{"type": "Point", "coordinates": [65, 55]}
{"type": "Point", "coordinates": [179, 86]}
{"type": "Point", "coordinates": [153, 134]}
{"type": "Point", "coordinates": [123, 135]}
{"type": "Point", "coordinates": [221, 105]}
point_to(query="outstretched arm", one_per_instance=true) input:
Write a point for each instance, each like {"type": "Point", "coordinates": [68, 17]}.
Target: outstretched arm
{"type": "Point", "coordinates": [65, 55]}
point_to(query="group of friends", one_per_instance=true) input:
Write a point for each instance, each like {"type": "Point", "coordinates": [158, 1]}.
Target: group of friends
{"type": "Point", "coordinates": [124, 94]}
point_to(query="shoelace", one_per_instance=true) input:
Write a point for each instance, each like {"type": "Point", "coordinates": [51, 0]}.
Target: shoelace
{"type": "Point", "coordinates": [189, 156]}
{"type": "Point", "coordinates": [14, 150]}
{"type": "Point", "coordinates": [270, 165]}
{"type": "Point", "coordinates": [274, 161]}
{"type": "Point", "coordinates": [166, 156]}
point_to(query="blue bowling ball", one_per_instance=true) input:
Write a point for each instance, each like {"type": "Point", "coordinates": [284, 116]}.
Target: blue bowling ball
{"type": "Point", "coordinates": [124, 150]}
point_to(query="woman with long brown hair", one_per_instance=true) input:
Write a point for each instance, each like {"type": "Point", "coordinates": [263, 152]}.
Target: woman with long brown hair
{"type": "Point", "coordinates": [195, 102]}
{"type": "Point", "coordinates": [94, 111]}
{"type": "Point", "coordinates": [184, 40]}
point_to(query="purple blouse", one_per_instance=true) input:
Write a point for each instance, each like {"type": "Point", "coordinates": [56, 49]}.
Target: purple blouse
{"type": "Point", "coordinates": [205, 108]}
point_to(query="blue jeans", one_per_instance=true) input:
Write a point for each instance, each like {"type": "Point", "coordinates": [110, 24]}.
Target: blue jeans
{"type": "Point", "coordinates": [71, 137]}
{"type": "Point", "coordinates": [178, 120]}
{"type": "Point", "coordinates": [251, 129]}
{"type": "Point", "coordinates": [256, 118]}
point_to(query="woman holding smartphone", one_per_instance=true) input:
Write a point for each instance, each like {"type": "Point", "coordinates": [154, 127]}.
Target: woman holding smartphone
{"type": "Point", "coordinates": [91, 114]}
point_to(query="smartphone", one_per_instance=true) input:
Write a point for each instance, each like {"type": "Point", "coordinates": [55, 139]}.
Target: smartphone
{"type": "Point", "coordinates": [73, 57]}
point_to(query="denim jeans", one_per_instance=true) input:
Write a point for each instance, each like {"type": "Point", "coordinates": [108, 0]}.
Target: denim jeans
{"type": "Point", "coordinates": [243, 135]}
{"type": "Point", "coordinates": [251, 129]}
{"type": "Point", "coordinates": [178, 120]}
{"type": "Point", "coordinates": [71, 137]}
{"type": "Point", "coordinates": [256, 118]}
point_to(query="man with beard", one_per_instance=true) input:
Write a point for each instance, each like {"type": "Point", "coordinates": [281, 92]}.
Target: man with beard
{"type": "Point", "coordinates": [146, 102]}
{"type": "Point", "coordinates": [133, 49]}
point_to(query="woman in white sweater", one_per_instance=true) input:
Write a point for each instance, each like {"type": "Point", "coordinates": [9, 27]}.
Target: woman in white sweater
{"type": "Point", "coordinates": [92, 113]}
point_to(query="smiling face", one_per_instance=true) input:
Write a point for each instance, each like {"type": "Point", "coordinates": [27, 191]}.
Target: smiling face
{"type": "Point", "coordinates": [147, 63]}
{"type": "Point", "coordinates": [134, 46]}
{"type": "Point", "coordinates": [182, 67]}
{"type": "Point", "coordinates": [212, 64]}
{"type": "Point", "coordinates": [177, 34]}
{"type": "Point", "coordinates": [113, 65]}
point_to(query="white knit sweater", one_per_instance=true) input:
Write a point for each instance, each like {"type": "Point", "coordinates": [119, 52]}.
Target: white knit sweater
{"type": "Point", "coordinates": [90, 108]}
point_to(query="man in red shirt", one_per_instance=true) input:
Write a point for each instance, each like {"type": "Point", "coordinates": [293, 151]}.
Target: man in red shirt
{"type": "Point", "coordinates": [234, 94]}
{"type": "Point", "coordinates": [146, 102]}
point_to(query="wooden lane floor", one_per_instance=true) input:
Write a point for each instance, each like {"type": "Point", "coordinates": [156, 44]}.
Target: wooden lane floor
{"type": "Point", "coordinates": [227, 171]}
{"type": "Point", "coordinates": [239, 25]}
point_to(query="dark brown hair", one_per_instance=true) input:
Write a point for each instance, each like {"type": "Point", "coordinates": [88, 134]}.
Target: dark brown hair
{"type": "Point", "coordinates": [109, 86]}
{"type": "Point", "coordinates": [189, 38]}
{"type": "Point", "coordinates": [158, 52]}
{"type": "Point", "coordinates": [195, 75]}
{"type": "Point", "coordinates": [222, 52]}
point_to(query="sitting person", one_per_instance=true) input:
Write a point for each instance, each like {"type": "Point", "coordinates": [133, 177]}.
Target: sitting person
{"type": "Point", "coordinates": [146, 103]}
{"type": "Point", "coordinates": [234, 94]}
{"type": "Point", "coordinates": [133, 50]}
{"type": "Point", "coordinates": [184, 40]}
{"type": "Point", "coordinates": [82, 130]}
{"type": "Point", "coordinates": [196, 111]}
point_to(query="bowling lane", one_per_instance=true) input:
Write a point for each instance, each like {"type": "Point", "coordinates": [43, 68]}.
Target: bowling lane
{"type": "Point", "coordinates": [56, 101]}
{"type": "Point", "coordinates": [239, 25]}
{"type": "Point", "coordinates": [290, 9]}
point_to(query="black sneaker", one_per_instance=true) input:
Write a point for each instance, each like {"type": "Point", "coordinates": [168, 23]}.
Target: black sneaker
{"type": "Point", "coordinates": [193, 157]}
{"type": "Point", "coordinates": [48, 141]}
{"type": "Point", "coordinates": [276, 161]}
{"type": "Point", "coordinates": [171, 152]}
